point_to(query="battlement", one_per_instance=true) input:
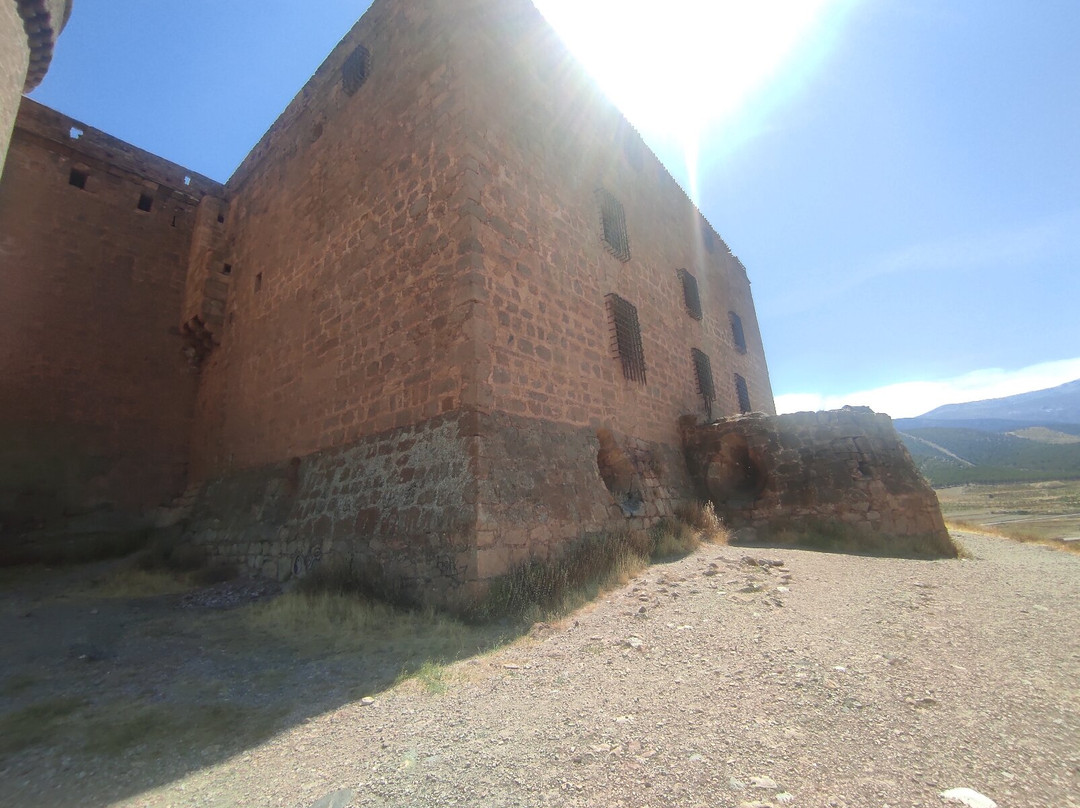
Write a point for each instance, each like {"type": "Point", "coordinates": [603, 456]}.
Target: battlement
{"type": "Point", "coordinates": [99, 151]}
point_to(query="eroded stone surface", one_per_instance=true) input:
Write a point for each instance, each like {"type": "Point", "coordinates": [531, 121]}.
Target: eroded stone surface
{"type": "Point", "coordinates": [841, 476]}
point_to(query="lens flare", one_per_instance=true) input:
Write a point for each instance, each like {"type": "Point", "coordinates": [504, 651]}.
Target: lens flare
{"type": "Point", "coordinates": [696, 76]}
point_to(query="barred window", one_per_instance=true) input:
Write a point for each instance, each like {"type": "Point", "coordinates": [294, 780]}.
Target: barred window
{"type": "Point", "coordinates": [613, 222]}
{"type": "Point", "coordinates": [690, 294]}
{"type": "Point", "coordinates": [737, 332]}
{"type": "Point", "coordinates": [742, 393]}
{"type": "Point", "coordinates": [627, 334]}
{"type": "Point", "coordinates": [703, 372]}
{"type": "Point", "coordinates": [355, 70]}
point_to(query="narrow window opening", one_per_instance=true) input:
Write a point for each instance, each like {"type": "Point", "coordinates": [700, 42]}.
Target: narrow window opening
{"type": "Point", "coordinates": [174, 221]}
{"type": "Point", "coordinates": [221, 218]}
{"type": "Point", "coordinates": [258, 282]}
{"type": "Point", "coordinates": [146, 202]}
{"type": "Point", "coordinates": [743, 393]}
{"type": "Point", "coordinates": [356, 70]}
{"type": "Point", "coordinates": [613, 222]}
{"type": "Point", "coordinates": [691, 296]}
{"type": "Point", "coordinates": [627, 330]}
{"type": "Point", "coordinates": [227, 270]}
{"type": "Point", "coordinates": [737, 332]}
{"type": "Point", "coordinates": [708, 237]}
{"type": "Point", "coordinates": [703, 372]}
{"type": "Point", "coordinates": [632, 149]}
{"type": "Point", "coordinates": [75, 133]}
{"type": "Point", "coordinates": [78, 178]}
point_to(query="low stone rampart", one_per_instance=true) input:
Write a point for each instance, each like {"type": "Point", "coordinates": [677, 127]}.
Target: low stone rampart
{"type": "Point", "coordinates": [840, 479]}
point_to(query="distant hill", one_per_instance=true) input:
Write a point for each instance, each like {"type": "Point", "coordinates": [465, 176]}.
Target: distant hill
{"type": "Point", "coordinates": [1031, 436]}
{"type": "Point", "coordinates": [1057, 405]}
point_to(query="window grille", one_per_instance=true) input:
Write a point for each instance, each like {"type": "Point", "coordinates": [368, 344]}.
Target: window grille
{"type": "Point", "coordinates": [355, 70]}
{"type": "Point", "coordinates": [627, 337]}
{"type": "Point", "coordinates": [737, 332]}
{"type": "Point", "coordinates": [146, 202]}
{"type": "Point", "coordinates": [690, 294]}
{"type": "Point", "coordinates": [703, 372]}
{"type": "Point", "coordinates": [742, 393]}
{"type": "Point", "coordinates": [613, 221]}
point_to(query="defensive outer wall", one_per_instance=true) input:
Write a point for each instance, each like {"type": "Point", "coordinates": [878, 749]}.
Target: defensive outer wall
{"type": "Point", "coordinates": [449, 315]}
{"type": "Point", "coordinates": [839, 480]}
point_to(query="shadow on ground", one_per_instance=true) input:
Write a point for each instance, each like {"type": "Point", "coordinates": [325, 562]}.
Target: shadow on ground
{"type": "Point", "coordinates": [107, 691]}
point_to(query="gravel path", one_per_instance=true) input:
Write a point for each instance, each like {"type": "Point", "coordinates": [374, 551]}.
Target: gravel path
{"type": "Point", "coordinates": [828, 681]}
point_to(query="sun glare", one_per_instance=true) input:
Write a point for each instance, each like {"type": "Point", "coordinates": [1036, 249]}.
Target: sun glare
{"type": "Point", "coordinates": [684, 71]}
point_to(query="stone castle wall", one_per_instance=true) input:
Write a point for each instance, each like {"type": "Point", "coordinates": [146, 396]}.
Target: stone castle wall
{"type": "Point", "coordinates": [428, 247]}
{"type": "Point", "coordinates": [390, 337]}
{"type": "Point", "coordinates": [843, 473]}
{"type": "Point", "coordinates": [544, 140]}
{"type": "Point", "coordinates": [351, 315]}
{"type": "Point", "coordinates": [96, 404]}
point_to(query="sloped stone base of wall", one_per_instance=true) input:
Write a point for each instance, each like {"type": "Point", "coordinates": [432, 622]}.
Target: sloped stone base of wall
{"type": "Point", "coordinates": [837, 480]}
{"type": "Point", "coordinates": [544, 486]}
{"type": "Point", "coordinates": [400, 506]}
{"type": "Point", "coordinates": [434, 512]}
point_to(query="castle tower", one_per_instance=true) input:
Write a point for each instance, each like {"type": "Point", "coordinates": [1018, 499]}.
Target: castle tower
{"type": "Point", "coordinates": [462, 310]}
{"type": "Point", "coordinates": [28, 32]}
{"type": "Point", "coordinates": [450, 315]}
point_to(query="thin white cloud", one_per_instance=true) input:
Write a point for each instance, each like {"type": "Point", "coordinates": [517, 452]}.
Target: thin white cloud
{"type": "Point", "coordinates": [908, 399]}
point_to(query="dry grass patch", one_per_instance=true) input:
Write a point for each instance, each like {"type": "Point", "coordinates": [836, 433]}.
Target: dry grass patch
{"type": "Point", "coordinates": [546, 590]}
{"type": "Point", "coordinates": [1014, 534]}
{"type": "Point", "coordinates": [116, 728]}
{"type": "Point", "coordinates": [36, 724]}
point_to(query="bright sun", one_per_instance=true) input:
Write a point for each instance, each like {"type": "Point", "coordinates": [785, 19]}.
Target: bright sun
{"type": "Point", "coordinates": [684, 70]}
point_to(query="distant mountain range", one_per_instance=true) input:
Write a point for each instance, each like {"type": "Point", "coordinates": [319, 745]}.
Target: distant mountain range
{"type": "Point", "coordinates": [1031, 436]}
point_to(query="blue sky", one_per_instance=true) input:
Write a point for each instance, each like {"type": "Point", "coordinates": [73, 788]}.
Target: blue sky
{"type": "Point", "coordinates": [900, 177]}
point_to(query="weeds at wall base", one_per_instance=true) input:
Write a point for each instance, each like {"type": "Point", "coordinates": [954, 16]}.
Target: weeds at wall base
{"type": "Point", "coordinates": [548, 589]}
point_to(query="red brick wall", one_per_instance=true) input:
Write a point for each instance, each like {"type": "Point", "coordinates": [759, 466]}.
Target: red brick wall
{"type": "Point", "coordinates": [545, 140]}
{"type": "Point", "coordinates": [96, 400]}
{"type": "Point", "coordinates": [352, 300]}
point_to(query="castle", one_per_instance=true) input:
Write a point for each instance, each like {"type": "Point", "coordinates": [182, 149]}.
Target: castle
{"type": "Point", "coordinates": [450, 314]}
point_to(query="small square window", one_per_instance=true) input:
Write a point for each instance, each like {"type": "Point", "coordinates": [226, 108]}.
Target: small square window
{"type": "Point", "coordinates": [690, 294]}
{"type": "Point", "coordinates": [737, 332]}
{"type": "Point", "coordinates": [146, 202]}
{"type": "Point", "coordinates": [703, 372]}
{"type": "Point", "coordinates": [78, 178]}
{"type": "Point", "coordinates": [613, 222]}
{"type": "Point", "coordinates": [227, 269]}
{"type": "Point", "coordinates": [627, 330]}
{"type": "Point", "coordinates": [743, 393]}
{"type": "Point", "coordinates": [355, 71]}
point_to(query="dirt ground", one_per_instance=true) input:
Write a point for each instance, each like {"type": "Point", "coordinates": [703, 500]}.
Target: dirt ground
{"type": "Point", "coordinates": [1041, 511]}
{"type": "Point", "coordinates": [716, 680]}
